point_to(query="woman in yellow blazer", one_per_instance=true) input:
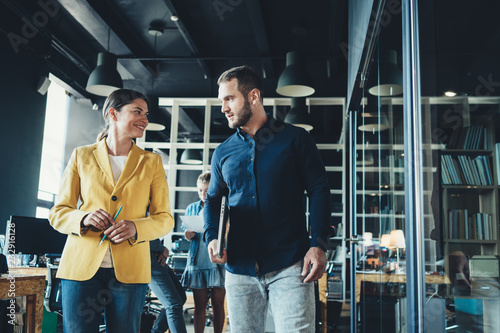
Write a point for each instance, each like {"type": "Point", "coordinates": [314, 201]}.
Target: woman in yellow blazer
{"type": "Point", "coordinates": [99, 179]}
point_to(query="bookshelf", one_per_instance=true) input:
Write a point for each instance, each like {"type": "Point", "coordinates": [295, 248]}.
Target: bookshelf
{"type": "Point", "coordinates": [469, 188]}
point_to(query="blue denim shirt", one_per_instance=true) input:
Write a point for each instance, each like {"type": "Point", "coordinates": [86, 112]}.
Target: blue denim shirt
{"type": "Point", "coordinates": [193, 209]}
{"type": "Point", "coordinates": [265, 178]}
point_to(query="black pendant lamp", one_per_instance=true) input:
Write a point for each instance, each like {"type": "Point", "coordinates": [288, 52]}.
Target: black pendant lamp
{"type": "Point", "coordinates": [191, 156]}
{"type": "Point", "coordinates": [104, 79]}
{"type": "Point", "coordinates": [389, 81]}
{"type": "Point", "coordinates": [155, 121]}
{"type": "Point", "coordinates": [364, 157]}
{"type": "Point", "coordinates": [373, 120]}
{"type": "Point", "coordinates": [298, 114]}
{"type": "Point", "coordinates": [295, 81]}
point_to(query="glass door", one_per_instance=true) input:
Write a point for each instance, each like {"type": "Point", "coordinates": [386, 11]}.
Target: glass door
{"type": "Point", "coordinates": [424, 160]}
{"type": "Point", "coordinates": [393, 259]}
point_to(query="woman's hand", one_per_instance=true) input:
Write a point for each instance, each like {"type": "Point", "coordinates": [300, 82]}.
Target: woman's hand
{"type": "Point", "coordinates": [121, 231]}
{"type": "Point", "coordinates": [189, 234]}
{"type": "Point", "coordinates": [99, 219]}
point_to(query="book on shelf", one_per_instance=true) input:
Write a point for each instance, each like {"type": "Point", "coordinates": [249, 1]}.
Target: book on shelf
{"type": "Point", "coordinates": [340, 231]}
{"type": "Point", "coordinates": [487, 168]}
{"type": "Point", "coordinates": [477, 226]}
{"type": "Point", "coordinates": [470, 138]}
{"type": "Point", "coordinates": [335, 255]}
{"type": "Point", "coordinates": [464, 170]}
{"type": "Point", "coordinates": [479, 166]}
{"type": "Point", "coordinates": [497, 155]}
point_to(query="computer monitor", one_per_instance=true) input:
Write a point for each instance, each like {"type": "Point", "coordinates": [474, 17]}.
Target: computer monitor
{"type": "Point", "coordinates": [30, 235]}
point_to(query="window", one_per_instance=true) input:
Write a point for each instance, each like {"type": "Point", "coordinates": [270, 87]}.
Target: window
{"type": "Point", "coordinates": [52, 150]}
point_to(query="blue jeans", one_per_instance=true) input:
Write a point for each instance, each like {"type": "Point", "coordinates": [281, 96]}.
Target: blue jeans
{"type": "Point", "coordinates": [84, 301]}
{"type": "Point", "coordinates": [291, 301]}
{"type": "Point", "coordinates": [167, 287]}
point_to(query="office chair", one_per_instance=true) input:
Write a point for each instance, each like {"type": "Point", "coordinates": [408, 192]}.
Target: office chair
{"type": "Point", "coordinates": [53, 295]}
{"type": "Point", "coordinates": [150, 312]}
{"type": "Point", "coordinates": [53, 299]}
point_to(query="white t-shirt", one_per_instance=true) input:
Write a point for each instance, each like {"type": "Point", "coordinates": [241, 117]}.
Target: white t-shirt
{"type": "Point", "coordinates": [117, 165]}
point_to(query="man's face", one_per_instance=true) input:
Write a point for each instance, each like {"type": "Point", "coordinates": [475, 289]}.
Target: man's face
{"type": "Point", "coordinates": [235, 105]}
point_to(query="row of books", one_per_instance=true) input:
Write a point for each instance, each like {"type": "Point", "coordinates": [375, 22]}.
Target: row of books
{"type": "Point", "coordinates": [464, 170]}
{"type": "Point", "coordinates": [336, 255]}
{"type": "Point", "coordinates": [497, 150]}
{"type": "Point", "coordinates": [473, 137]}
{"type": "Point", "coordinates": [461, 225]}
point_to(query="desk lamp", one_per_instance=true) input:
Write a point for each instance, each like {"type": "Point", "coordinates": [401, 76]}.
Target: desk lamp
{"type": "Point", "coordinates": [385, 251]}
{"type": "Point", "coordinates": [397, 241]}
{"type": "Point", "coordinates": [385, 240]}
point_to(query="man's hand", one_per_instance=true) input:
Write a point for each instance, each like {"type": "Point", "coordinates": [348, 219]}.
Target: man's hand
{"type": "Point", "coordinates": [162, 256]}
{"type": "Point", "coordinates": [314, 264]}
{"type": "Point", "coordinates": [213, 253]}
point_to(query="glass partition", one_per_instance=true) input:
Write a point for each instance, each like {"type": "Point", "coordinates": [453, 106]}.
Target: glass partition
{"type": "Point", "coordinates": [426, 159]}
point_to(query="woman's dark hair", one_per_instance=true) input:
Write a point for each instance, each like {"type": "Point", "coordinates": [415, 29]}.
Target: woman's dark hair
{"type": "Point", "coordinates": [247, 79]}
{"type": "Point", "coordinates": [116, 100]}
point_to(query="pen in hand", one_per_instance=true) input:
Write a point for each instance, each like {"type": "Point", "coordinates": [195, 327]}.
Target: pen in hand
{"type": "Point", "coordinates": [116, 215]}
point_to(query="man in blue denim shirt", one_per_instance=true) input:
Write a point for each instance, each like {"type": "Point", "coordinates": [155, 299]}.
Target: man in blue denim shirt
{"type": "Point", "coordinates": [264, 169]}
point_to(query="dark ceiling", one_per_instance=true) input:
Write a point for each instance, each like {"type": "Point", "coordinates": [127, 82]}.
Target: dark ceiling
{"type": "Point", "coordinates": [460, 41]}
{"type": "Point", "coordinates": [209, 37]}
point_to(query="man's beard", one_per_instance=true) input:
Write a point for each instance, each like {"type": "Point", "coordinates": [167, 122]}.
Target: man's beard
{"type": "Point", "coordinates": [243, 115]}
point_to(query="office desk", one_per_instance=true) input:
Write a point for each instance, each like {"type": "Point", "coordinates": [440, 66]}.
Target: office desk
{"type": "Point", "coordinates": [393, 278]}
{"type": "Point", "coordinates": [31, 286]}
{"type": "Point", "coordinates": [29, 270]}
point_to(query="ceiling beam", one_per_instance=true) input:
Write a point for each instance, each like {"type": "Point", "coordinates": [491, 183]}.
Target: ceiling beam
{"type": "Point", "coordinates": [335, 30]}
{"type": "Point", "coordinates": [260, 33]}
{"type": "Point", "coordinates": [59, 58]}
{"type": "Point", "coordinates": [187, 36]}
{"type": "Point", "coordinates": [100, 30]}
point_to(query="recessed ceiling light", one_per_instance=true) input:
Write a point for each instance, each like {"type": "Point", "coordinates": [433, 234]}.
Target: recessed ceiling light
{"type": "Point", "coordinates": [174, 18]}
{"type": "Point", "coordinates": [450, 93]}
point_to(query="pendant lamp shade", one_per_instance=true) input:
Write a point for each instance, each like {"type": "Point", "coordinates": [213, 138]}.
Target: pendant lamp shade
{"type": "Point", "coordinates": [374, 123]}
{"type": "Point", "coordinates": [191, 156]}
{"type": "Point", "coordinates": [365, 157]}
{"type": "Point", "coordinates": [104, 79]}
{"type": "Point", "coordinates": [155, 126]}
{"type": "Point", "coordinates": [298, 114]}
{"type": "Point", "coordinates": [295, 81]}
{"type": "Point", "coordinates": [155, 121]}
{"type": "Point", "coordinates": [389, 81]}
{"type": "Point", "coordinates": [373, 120]}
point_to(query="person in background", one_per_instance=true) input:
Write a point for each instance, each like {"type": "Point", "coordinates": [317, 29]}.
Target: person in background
{"type": "Point", "coordinates": [458, 270]}
{"type": "Point", "coordinates": [264, 169]}
{"type": "Point", "coordinates": [106, 190]}
{"type": "Point", "coordinates": [201, 275]}
{"type": "Point", "coordinates": [167, 287]}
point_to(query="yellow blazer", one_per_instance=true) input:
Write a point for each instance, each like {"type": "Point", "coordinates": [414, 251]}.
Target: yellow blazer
{"type": "Point", "coordinates": [88, 181]}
